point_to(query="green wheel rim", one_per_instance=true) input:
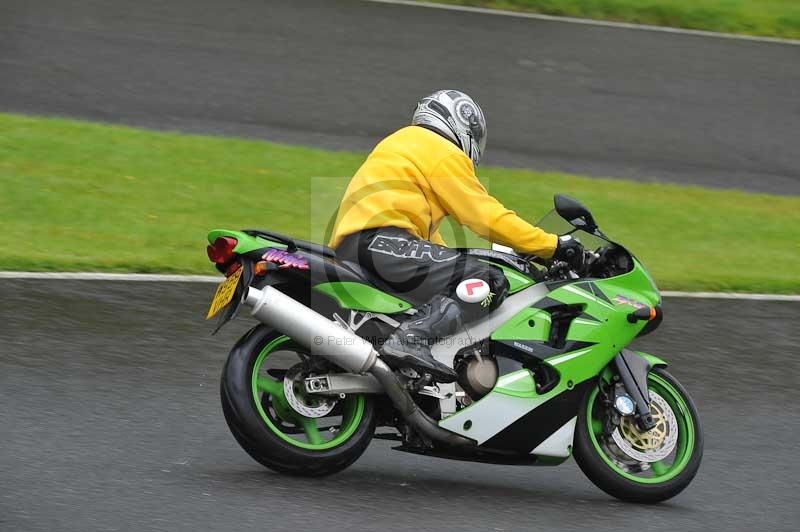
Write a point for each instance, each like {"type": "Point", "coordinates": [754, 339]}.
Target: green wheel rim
{"type": "Point", "coordinates": [351, 416]}
{"type": "Point", "coordinates": [686, 433]}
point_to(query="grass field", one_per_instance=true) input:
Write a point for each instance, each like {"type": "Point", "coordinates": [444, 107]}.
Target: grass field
{"type": "Point", "coordinates": [84, 196]}
{"type": "Point", "coordinates": [775, 18]}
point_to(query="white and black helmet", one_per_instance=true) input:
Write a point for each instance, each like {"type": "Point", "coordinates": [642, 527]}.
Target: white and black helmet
{"type": "Point", "coordinates": [457, 117]}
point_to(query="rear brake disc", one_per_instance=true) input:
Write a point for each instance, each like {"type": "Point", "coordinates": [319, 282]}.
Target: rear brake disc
{"type": "Point", "coordinates": [308, 406]}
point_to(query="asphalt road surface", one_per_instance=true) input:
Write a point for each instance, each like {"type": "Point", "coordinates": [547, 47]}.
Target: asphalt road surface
{"type": "Point", "coordinates": [110, 420]}
{"type": "Point", "coordinates": [594, 100]}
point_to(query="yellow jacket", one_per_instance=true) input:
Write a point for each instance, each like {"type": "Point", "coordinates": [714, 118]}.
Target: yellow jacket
{"type": "Point", "coordinates": [414, 178]}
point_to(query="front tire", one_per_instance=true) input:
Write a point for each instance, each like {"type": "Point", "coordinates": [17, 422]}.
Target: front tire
{"type": "Point", "coordinates": [627, 477]}
{"type": "Point", "coordinates": [267, 428]}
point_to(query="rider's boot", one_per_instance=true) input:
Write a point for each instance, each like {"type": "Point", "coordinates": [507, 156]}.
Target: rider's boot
{"type": "Point", "coordinates": [409, 345]}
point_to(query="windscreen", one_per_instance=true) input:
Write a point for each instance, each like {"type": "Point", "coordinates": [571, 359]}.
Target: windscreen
{"type": "Point", "coordinates": [554, 223]}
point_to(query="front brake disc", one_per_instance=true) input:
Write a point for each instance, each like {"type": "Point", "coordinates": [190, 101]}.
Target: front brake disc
{"type": "Point", "coordinates": [654, 444]}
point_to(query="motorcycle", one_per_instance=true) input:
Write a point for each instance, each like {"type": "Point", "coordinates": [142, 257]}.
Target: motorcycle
{"type": "Point", "coordinates": [546, 376]}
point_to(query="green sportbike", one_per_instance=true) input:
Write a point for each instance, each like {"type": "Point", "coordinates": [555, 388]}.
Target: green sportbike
{"type": "Point", "coordinates": [546, 376]}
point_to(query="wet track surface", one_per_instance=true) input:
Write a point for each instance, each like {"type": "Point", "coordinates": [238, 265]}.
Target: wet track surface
{"type": "Point", "coordinates": [109, 408]}
{"type": "Point", "coordinates": [585, 99]}
{"type": "Point", "coordinates": [111, 420]}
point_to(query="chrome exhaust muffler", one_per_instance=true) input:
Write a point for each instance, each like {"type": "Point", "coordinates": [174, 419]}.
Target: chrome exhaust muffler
{"type": "Point", "coordinates": [311, 329]}
{"type": "Point", "coordinates": [344, 348]}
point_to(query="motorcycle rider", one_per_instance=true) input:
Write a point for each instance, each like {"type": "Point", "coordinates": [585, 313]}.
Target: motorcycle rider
{"type": "Point", "coordinates": [389, 217]}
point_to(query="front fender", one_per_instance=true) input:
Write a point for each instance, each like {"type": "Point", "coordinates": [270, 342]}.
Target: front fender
{"type": "Point", "coordinates": [652, 359]}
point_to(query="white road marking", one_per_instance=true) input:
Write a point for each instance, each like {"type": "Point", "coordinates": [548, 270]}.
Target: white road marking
{"type": "Point", "coordinates": [97, 276]}
{"type": "Point", "coordinates": [589, 22]}
{"type": "Point", "coordinates": [173, 278]}
{"type": "Point", "coordinates": [732, 295]}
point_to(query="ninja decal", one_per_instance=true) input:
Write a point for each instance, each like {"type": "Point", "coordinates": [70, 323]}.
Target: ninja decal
{"type": "Point", "coordinates": [411, 249]}
{"type": "Point", "coordinates": [285, 259]}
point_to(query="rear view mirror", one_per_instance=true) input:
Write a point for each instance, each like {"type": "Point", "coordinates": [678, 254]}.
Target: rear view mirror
{"type": "Point", "coordinates": [574, 212]}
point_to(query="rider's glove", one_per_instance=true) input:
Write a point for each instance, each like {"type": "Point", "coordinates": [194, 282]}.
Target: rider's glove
{"type": "Point", "coordinates": [570, 250]}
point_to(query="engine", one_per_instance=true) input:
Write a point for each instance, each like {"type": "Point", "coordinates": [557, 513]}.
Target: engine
{"type": "Point", "coordinates": [477, 375]}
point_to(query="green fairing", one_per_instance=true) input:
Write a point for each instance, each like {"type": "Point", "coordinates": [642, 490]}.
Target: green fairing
{"type": "Point", "coordinates": [529, 324]}
{"type": "Point", "coordinates": [607, 327]}
{"type": "Point", "coordinates": [516, 280]}
{"type": "Point", "coordinates": [358, 296]}
{"type": "Point", "coordinates": [245, 243]}
{"type": "Point", "coordinates": [518, 384]}
{"type": "Point", "coordinates": [636, 284]}
{"type": "Point", "coordinates": [609, 335]}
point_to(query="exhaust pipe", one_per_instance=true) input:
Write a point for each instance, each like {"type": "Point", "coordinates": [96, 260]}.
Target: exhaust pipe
{"type": "Point", "coordinates": [344, 348]}
{"type": "Point", "coordinates": [404, 403]}
{"type": "Point", "coordinates": [310, 329]}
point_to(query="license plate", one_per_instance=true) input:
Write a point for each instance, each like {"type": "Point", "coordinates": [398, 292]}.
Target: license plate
{"type": "Point", "coordinates": [224, 294]}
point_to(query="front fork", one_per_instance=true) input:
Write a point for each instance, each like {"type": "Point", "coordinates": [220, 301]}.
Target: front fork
{"type": "Point", "coordinates": [632, 370]}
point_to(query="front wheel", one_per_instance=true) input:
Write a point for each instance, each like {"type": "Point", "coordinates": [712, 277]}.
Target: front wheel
{"type": "Point", "coordinates": [647, 467]}
{"type": "Point", "coordinates": [276, 422]}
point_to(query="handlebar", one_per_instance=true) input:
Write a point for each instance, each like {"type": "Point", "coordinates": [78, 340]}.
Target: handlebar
{"type": "Point", "coordinates": [560, 270]}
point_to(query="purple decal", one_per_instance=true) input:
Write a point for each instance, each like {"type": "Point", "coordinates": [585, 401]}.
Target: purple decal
{"type": "Point", "coordinates": [285, 259]}
{"type": "Point", "coordinates": [622, 300]}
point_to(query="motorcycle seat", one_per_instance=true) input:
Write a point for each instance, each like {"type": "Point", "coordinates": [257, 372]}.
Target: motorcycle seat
{"type": "Point", "coordinates": [362, 273]}
{"type": "Point", "coordinates": [294, 243]}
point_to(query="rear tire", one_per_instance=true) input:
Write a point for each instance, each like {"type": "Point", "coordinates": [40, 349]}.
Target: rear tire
{"type": "Point", "coordinates": [262, 439]}
{"type": "Point", "coordinates": [609, 477]}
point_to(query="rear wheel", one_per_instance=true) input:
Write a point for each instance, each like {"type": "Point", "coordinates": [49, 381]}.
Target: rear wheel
{"type": "Point", "coordinates": [645, 467]}
{"type": "Point", "coordinates": [276, 422]}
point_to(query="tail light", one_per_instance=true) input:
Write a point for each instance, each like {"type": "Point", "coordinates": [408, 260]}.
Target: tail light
{"type": "Point", "coordinates": [232, 269]}
{"type": "Point", "coordinates": [221, 251]}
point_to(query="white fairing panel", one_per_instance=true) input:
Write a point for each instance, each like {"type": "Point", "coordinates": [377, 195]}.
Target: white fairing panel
{"type": "Point", "coordinates": [558, 443]}
{"type": "Point", "coordinates": [490, 415]}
